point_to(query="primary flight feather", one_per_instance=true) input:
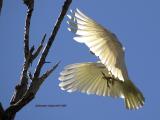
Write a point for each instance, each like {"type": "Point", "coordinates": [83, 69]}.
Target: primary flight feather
{"type": "Point", "coordinates": [109, 77]}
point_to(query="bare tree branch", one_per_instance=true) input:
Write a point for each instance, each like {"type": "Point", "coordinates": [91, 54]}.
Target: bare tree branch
{"type": "Point", "coordinates": [1, 110]}
{"type": "Point", "coordinates": [52, 37]}
{"type": "Point", "coordinates": [30, 5]}
{"type": "Point", "coordinates": [22, 87]}
{"type": "Point", "coordinates": [48, 72]}
{"type": "Point", "coordinates": [36, 53]}
{"type": "Point", "coordinates": [37, 82]}
{"type": "Point", "coordinates": [24, 92]}
{"type": "Point", "coordinates": [30, 76]}
{"type": "Point", "coordinates": [1, 4]}
{"type": "Point", "coordinates": [11, 111]}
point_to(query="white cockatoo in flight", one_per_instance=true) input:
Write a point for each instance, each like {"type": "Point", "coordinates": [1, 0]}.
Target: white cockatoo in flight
{"type": "Point", "coordinates": [107, 77]}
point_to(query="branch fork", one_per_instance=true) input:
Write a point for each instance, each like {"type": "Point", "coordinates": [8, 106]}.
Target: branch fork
{"type": "Point", "coordinates": [25, 91]}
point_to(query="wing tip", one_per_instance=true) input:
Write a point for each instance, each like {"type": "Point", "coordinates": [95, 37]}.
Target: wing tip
{"type": "Point", "coordinates": [69, 16]}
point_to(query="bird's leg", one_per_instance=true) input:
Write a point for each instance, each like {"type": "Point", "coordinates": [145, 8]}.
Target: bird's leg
{"type": "Point", "coordinates": [92, 52]}
{"type": "Point", "coordinates": [110, 80]}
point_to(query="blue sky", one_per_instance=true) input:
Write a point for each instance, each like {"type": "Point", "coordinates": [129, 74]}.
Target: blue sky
{"type": "Point", "coordinates": [136, 23]}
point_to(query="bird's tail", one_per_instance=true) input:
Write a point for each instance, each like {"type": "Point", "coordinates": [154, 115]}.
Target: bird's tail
{"type": "Point", "coordinates": [133, 97]}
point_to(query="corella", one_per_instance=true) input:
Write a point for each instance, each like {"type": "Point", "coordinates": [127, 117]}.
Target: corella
{"type": "Point", "coordinates": [107, 77]}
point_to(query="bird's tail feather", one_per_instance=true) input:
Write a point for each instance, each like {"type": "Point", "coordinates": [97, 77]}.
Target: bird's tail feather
{"type": "Point", "coordinates": [133, 97]}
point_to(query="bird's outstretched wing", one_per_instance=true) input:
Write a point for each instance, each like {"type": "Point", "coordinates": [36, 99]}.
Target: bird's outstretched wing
{"type": "Point", "coordinates": [94, 78]}
{"type": "Point", "coordinates": [100, 41]}
{"type": "Point", "coordinates": [89, 78]}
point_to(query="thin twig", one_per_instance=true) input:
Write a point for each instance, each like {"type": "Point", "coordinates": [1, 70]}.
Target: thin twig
{"type": "Point", "coordinates": [48, 72]}
{"type": "Point", "coordinates": [52, 37]}
{"type": "Point", "coordinates": [36, 53]}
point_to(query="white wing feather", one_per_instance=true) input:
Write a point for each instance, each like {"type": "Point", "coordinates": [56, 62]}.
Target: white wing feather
{"type": "Point", "coordinates": [106, 78]}
{"type": "Point", "coordinates": [88, 78]}
{"type": "Point", "coordinates": [100, 41]}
